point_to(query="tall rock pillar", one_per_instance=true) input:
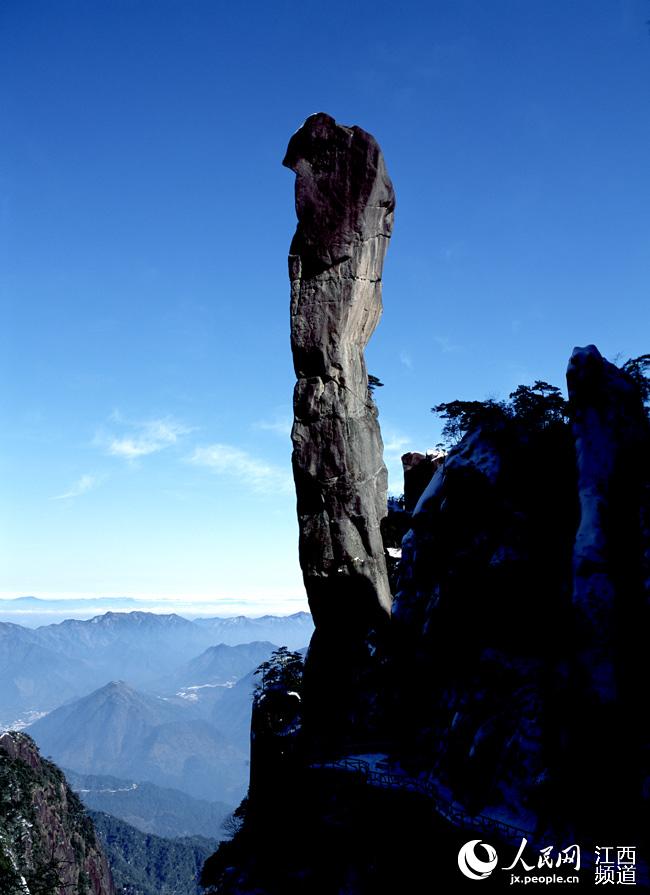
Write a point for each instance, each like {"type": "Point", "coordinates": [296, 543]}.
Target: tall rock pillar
{"type": "Point", "coordinates": [344, 205]}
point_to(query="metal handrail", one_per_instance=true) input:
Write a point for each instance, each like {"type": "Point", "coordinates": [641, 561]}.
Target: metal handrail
{"type": "Point", "coordinates": [450, 811]}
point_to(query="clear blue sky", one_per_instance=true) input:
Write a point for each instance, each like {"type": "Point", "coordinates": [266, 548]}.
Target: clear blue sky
{"type": "Point", "coordinates": [144, 225]}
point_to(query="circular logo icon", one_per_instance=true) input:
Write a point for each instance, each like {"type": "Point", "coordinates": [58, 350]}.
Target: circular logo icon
{"type": "Point", "coordinates": [471, 865]}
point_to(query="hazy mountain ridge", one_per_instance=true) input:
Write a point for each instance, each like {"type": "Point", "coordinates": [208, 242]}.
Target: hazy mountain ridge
{"type": "Point", "coordinates": [293, 631]}
{"type": "Point", "coordinates": [119, 731]}
{"type": "Point", "coordinates": [149, 808]}
{"type": "Point", "coordinates": [35, 675]}
{"type": "Point", "coordinates": [44, 667]}
{"type": "Point", "coordinates": [218, 666]}
{"type": "Point", "coordinates": [176, 723]}
{"type": "Point", "coordinates": [33, 611]}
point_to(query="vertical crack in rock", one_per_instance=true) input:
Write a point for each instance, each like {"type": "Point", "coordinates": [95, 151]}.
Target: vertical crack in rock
{"type": "Point", "coordinates": [344, 205]}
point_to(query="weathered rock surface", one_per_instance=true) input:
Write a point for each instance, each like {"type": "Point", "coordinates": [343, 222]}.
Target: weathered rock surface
{"type": "Point", "coordinates": [47, 842]}
{"type": "Point", "coordinates": [522, 617]}
{"type": "Point", "coordinates": [344, 204]}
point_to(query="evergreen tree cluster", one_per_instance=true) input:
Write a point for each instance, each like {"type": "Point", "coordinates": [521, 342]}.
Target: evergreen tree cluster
{"type": "Point", "coordinates": [536, 407]}
{"type": "Point", "coordinates": [282, 670]}
{"type": "Point", "coordinates": [143, 864]}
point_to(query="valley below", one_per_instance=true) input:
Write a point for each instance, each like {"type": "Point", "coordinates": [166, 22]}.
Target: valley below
{"type": "Point", "coordinates": [148, 716]}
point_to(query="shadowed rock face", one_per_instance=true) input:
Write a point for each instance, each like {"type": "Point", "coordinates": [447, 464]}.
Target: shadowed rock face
{"type": "Point", "coordinates": [524, 620]}
{"type": "Point", "coordinates": [610, 607]}
{"type": "Point", "coordinates": [609, 435]}
{"type": "Point", "coordinates": [344, 203]}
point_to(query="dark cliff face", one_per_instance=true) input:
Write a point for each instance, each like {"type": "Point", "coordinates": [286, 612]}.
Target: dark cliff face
{"type": "Point", "coordinates": [48, 844]}
{"type": "Point", "coordinates": [521, 614]}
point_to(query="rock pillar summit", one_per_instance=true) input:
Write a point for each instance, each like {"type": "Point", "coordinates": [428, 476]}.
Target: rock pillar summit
{"type": "Point", "coordinates": [344, 205]}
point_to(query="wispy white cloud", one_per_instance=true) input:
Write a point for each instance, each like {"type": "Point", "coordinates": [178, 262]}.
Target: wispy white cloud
{"type": "Point", "coordinates": [139, 439]}
{"type": "Point", "coordinates": [279, 425]}
{"type": "Point", "coordinates": [82, 486]}
{"type": "Point", "coordinates": [396, 443]}
{"type": "Point", "coordinates": [445, 344]}
{"type": "Point", "coordinates": [258, 475]}
{"type": "Point", "coordinates": [406, 359]}
{"type": "Point", "coordinates": [453, 251]}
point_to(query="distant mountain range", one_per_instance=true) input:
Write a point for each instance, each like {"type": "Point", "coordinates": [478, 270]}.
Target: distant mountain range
{"type": "Point", "coordinates": [119, 731]}
{"type": "Point", "coordinates": [150, 808]}
{"type": "Point", "coordinates": [34, 612]}
{"type": "Point", "coordinates": [43, 667]}
{"type": "Point", "coordinates": [217, 667]}
{"type": "Point", "coordinates": [232, 710]}
{"type": "Point", "coordinates": [155, 699]}
{"type": "Point", "coordinates": [293, 631]}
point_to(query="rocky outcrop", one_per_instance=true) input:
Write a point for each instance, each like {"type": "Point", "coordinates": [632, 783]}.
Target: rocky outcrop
{"type": "Point", "coordinates": [609, 605]}
{"type": "Point", "coordinates": [610, 436]}
{"type": "Point", "coordinates": [521, 616]}
{"type": "Point", "coordinates": [477, 628]}
{"type": "Point", "coordinates": [47, 842]}
{"type": "Point", "coordinates": [344, 204]}
{"type": "Point", "coordinates": [519, 626]}
{"type": "Point", "coordinates": [418, 472]}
